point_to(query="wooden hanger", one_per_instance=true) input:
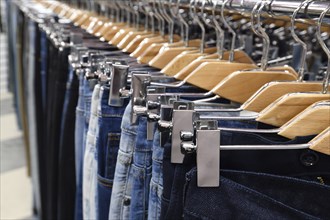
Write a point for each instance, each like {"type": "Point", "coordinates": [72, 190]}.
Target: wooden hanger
{"type": "Point", "coordinates": [274, 90]}
{"type": "Point", "coordinates": [183, 64]}
{"type": "Point", "coordinates": [241, 85]}
{"type": "Point", "coordinates": [312, 120]}
{"type": "Point", "coordinates": [137, 41]}
{"type": "Point", "coordinates": [168, 52]}
{"type": "Point", "coordinates": [130, 36]}
{"type": "Point", "coordinates": [288, 106]}
{"type": "Point", "coordinates": [321, 142]}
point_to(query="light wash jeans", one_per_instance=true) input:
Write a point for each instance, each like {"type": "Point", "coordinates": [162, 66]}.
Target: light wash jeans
{"type": "Point", "coordinates": [121, 192]}
{"type": "Point", "coordinates": [90, 162]}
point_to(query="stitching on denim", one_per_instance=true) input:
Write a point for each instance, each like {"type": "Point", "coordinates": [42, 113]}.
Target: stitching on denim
{"type": "Point", "coordinates": [195, 214]}
{"type": "Point", "coordinates": [102, 182]}
{"type": "Point", "coordinates": [109, 115]}
{"type": "Point", "coordinates": [128, 131]}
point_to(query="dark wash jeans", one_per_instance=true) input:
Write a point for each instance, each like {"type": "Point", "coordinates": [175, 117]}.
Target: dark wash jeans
{"type": "Point", "coordinates": [66, 171]}
{"type": "Point", "coordinates": [107, 145]}
{"type": "Point", "coordinates": [56, 87]}
{"type": "Point", "coordinates": [250, 195]}
{"type": "Point", "coordinates": [305, 164]}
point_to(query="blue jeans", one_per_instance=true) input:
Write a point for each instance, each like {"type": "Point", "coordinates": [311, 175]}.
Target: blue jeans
{"type": "Point", "coordinates": [122, 184]}
{"type": "Point", "coordinates": [250, 195]}
{"type": "Point", "coordinates": [81, 128]}
{"type": "Point", "coordinates": [90, 162]}
{"type": "Point", "coordinates": [156, 183]}
{"type": "Point", "coordinates": [107, 145]}
{"type": "Point", "coordinates": [141, 171]}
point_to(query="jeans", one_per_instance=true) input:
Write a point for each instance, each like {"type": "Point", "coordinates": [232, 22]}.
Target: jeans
{"type": "Point", "coordinates": [107, 145]}
{"type": "Point", "coordinates": [90, 162]}
{"type": "Point", "coordinates": [31, 99]}
{"type": "Point", "coordinates": [251, 160]}
{"type": "Point", "coordinates": [249, 195]}
{"type": "Point", "coordinates": [141, 171]}
{"type": "Point", "coordinates": [81, 128]}
{"type": "Point", "coordinates": [156, 183]}
{"type": "Point", "coordinates": [122, 184]}
{"type": "Point", "coordinates": [56, 87]}
{"type": "Point", "coordinates": [66, 171]}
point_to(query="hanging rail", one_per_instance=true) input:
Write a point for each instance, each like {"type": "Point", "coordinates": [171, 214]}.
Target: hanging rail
{"type": "Point", "coordinates": [274, 7]}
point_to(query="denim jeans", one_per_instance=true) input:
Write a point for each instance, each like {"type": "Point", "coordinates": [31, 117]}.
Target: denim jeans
{"type": "Point", "coordinates": [156, 183]}
{"type": "Point", "coordinates": [141, 171]}
{"type": "Point", "coordinates": [122, 184]}
{"type": "Point", "coordinates": [249, 195]}
{"type": "Point", "coordinates": [107, 145]}
{"type": "Point", "coordinates": [81, 128]}
{"type": "Point", "coordinates": [56, 87]}
{"type": "Point", "coordinates": [66, 171]}
{"type": "Point", "coordinates": [251, 160]}
{"type": "Point", "coordinates": [90, 162]}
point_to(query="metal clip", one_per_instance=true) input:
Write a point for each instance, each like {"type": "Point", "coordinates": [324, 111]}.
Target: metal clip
{"type": "Point", "coordinates": [182, 120]}
{"type": "Point", "coordinates": [165, 124]}
{"type": "Point", "coordinates": [208, 153]}
{"type": "Point", "coordinates": [118, 82]}
{"type": "Point", "coordinates": [152, 97]}
{"type": "Point", "coordinates": [139, 84]}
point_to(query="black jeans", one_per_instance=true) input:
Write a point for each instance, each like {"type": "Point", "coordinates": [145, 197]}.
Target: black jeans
{"type": "Point", "coordinates": [66, 163]}
{"type": "Point", "coordinates": [56, 87]}
{"type": "Point", "coordinates": [249, 195]}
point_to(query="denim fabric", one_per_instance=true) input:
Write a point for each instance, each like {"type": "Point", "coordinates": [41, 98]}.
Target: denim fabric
{"type": "Point", "coordinates": [156, 183]}
{"type": "Point", "coordinates": [43, 66]}
{"type": "Point", "coordinates": [122, 184]}
{"type": "Point", "coordinates": [247, 195]}
{"type": "Point", "coordinates": [90, 162]}
{"type": "Point", "coordinates": [30, 54]}
{"type": "Point", "coordinates": [107, 145]}
{"type": "Point", "coordinates": [66, 171]}
{"type": "Point", "coordinates": [56, 87]}
{"type": "Point", "coordinates": [141, 171]}
{"type": "Point", "coordinates": [291, 162]}
{"type": "Point", "coordinates": [82, 121]}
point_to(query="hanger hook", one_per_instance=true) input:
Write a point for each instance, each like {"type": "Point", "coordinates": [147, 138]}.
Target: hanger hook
{"type": "Point", "coordinates": [184, 24]}
{"type": "Point", "coordinates": [298, 40]}
{"type": "Point", "coordinates": [325, 48]}
{"type": "Point", "coordinates": [233, 41]}
{"type": "Point", "coordinates": [262, 33]}
{"type": "Point", "coordinates": [169, 20]}
{"type": "Point", "coordinates": [158, 17]}
{"type": "Point", "coordinates": [196, 18]}
{"type": "Point", "coordinates": [220, 32]}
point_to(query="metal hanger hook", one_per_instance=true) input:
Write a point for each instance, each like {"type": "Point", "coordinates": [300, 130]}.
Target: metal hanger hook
{"type": "Point", "coordinates": [256, 11]}
{"type": "Point", "coordinates": [233, 41]}
{"type": "Point", "coordinates": [325, 48]}
{"type": "Point", "coordinates": [296, 38]}
{"type": "Point", "coordinates": [196, 18]}
{"type": "Point", "coordinates": [220, 32]}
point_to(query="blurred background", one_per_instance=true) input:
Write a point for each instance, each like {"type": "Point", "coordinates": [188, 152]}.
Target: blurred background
{"type": "Point", "coordinates": [16, 191]}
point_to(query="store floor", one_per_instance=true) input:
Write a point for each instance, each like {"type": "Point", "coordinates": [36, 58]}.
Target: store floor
{"type": "Point", "coordinates": [15, 185]}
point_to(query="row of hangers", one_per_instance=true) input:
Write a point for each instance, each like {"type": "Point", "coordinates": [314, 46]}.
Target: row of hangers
{"type": "Point", "coordinates": [277, 94]}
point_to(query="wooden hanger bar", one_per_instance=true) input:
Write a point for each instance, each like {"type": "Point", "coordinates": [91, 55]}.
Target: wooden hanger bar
{"type": "Point", "coordinates": [312, 120]}
{"type": "Point", "coordinates": [321, 142]}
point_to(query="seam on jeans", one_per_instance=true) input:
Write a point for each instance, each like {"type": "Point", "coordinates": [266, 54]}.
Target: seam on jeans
{"type": "Point", "coordinates": [128, 131]}
{"type": "Point", "coordinates": [102, 182]}
{"type": "Point", "coordinates": [109, 115]}
{"type": "Point", "coordinates": [195, 214]}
